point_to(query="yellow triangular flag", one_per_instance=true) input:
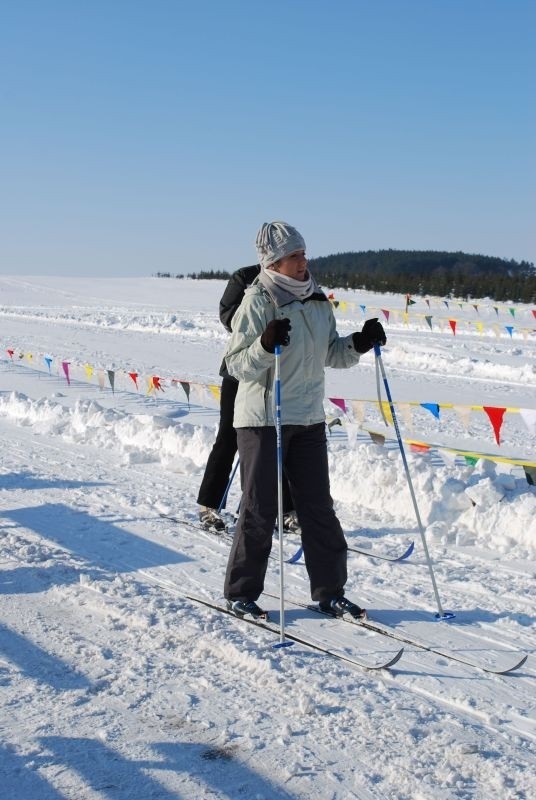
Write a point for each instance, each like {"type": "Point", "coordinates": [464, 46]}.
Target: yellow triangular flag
{"type": "Point", "coordinates": [386, 412]}
{"type": "Point", "coordinates": [215, 391]}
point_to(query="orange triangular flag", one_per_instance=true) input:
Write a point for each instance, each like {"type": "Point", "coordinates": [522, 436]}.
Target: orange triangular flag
{"type": "Point", "coordinates": [417, 447]}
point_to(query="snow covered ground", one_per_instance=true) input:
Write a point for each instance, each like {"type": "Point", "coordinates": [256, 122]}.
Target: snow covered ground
{"type": "Point", "coordinates": [114, 685]}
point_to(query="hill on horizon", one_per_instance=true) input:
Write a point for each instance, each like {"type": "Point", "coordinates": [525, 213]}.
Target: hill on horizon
{"type": "Point", "coordinates": [433, 272]}
{"type": "Point", "coordinates": [419, 272]}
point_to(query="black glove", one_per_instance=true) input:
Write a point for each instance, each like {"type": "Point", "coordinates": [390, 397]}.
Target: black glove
{"type": "Point", "coordinates": [372, 333]}
{"type": "Point", "coordinates": [276, 333]}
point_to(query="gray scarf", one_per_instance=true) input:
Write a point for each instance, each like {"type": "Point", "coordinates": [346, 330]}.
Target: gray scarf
{"type": "Point", "coordinates": [300, 289]}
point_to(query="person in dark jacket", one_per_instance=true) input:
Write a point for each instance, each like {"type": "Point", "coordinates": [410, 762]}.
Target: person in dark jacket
{"type": "Point", "coordinates": [220, 461]}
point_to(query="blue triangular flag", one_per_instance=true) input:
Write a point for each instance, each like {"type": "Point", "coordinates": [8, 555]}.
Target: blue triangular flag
{"type": "Point", "coordinates": [433, 408]}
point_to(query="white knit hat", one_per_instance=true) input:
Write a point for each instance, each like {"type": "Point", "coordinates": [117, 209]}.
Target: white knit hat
{"type": "Point", "coordinates": [276, 240]}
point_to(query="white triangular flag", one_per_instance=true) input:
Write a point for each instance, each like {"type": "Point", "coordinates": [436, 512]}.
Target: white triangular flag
{"type": "Point", "coordinates": [528, 416]}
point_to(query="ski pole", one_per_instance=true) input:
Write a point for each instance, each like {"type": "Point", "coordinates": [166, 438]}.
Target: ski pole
{"type": "Point", "coordinates": [441, 614]}
{"type": "Point", "coordinates": [227, 488]}
{"type": "Point", "coordinates": [279, 444]}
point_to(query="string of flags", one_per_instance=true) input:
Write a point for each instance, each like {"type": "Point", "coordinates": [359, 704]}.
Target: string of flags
{"type": "Point", "coordinates": [110, 378]}
{"type": "Point", "coordinates": [353, 409]}
{"type": "Point", "coordinates": [449, 454]}
{"type": "Point", "coordinates": [449, 322]}
{"type": "Point", "coordinates": [495, 414]}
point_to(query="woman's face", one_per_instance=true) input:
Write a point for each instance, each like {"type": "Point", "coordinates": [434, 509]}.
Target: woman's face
{"type": "Point", "coordinates": [293, 266]}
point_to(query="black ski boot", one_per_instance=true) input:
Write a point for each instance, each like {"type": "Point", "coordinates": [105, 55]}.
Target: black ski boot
{"type": "Point", "coordinates": [249, 608]}
{"type": "Point", "coordinates": [291, 524]}
{"type": "Point", "coordinates": [338, 606]}
{"type": "Point", "coordinates": [211, 521]}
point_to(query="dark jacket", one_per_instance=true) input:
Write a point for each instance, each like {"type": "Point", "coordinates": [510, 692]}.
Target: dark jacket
{"type": "Point", "coordinates": [231, 299]}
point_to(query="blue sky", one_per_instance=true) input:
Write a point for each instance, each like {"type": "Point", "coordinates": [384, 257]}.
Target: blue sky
{"type": "Point", "coordinates": [139, 136]}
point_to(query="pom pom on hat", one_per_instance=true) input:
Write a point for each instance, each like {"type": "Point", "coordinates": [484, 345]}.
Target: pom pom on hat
{"type": "Point", "coordinates": [276, 240]}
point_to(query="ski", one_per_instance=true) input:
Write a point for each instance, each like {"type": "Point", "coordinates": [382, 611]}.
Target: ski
{"type": "Point", "coordinates": [383, 557]}
{"type": "Point", "coordinates": [384, 630]}
{"type": "Point", "coordinates": [299, 638]}
{"type": "Point", "coordinates": [372, 626]}
{"type": "Point", "coordinates": [391, 633]}
{"type": "Point", "coordinates": [369, 553]}
{"type": "Point", "coordinates": [227, 533]}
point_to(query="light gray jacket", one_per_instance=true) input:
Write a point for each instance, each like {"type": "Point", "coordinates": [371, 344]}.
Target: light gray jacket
{"type": "Point", "coordinates": [314, 344]}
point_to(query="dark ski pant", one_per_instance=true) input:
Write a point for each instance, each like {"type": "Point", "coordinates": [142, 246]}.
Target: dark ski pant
{"type": "Point", "coordinates": [306, 466]}
{"type": "Point", "coordinates": [220, 460]}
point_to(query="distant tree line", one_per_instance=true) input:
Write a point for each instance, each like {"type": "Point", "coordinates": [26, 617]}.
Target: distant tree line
{"type": "Point", "coordinates": [419, 272]}
{"type": "Point", "coordinates": [430, 272]}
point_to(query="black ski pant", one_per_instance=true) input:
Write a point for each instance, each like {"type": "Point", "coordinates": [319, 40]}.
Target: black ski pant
{"type": "Point", "coordinates": [305, 462]}
{"type": "Point", "coordinates": [220, 460]}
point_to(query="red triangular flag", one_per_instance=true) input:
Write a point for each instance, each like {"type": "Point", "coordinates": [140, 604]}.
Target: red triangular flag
{"type": "Point", "coordinates": [386, 313]}
{"type": "Point", "coordinates": [11, 354]}
{"type": "Point", "coordinates": [452, 323]}
{"type": "Point", "coordinates": [496, 418]}
{"type": "Point", "coordinates": [134, 376]}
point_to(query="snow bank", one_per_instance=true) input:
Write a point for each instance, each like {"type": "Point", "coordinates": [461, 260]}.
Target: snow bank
{"type": "Point", "coordinates": [458, 504]}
